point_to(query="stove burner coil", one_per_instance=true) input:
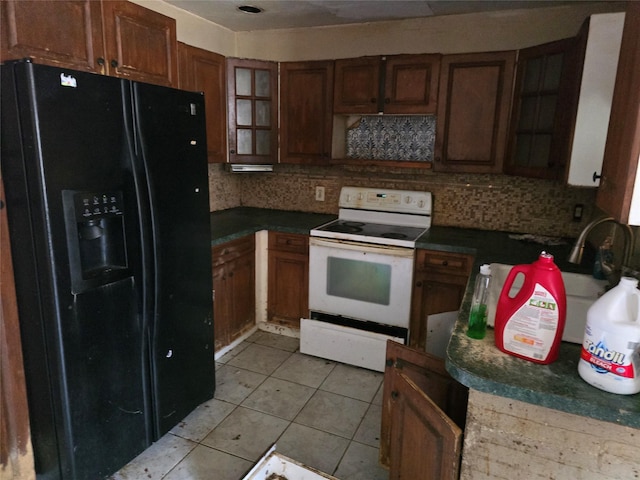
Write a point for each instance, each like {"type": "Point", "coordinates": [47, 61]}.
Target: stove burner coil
{"type": "Point", "coordinates": [394, 235]}
{"type": "Point", "coordinates": [344, 228]}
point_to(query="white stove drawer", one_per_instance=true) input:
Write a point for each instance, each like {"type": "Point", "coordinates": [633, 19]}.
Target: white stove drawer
{"type": "Point", "coordinates": [348, 345]}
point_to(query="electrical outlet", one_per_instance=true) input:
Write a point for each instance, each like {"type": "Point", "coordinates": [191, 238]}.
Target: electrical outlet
{"type": "Point", "coordinates": [578, 210]}
{"type": "Point", "coordinates": [320, 194]}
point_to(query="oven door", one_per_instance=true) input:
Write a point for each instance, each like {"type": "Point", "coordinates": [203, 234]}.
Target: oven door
{"type": "Point", "coordinates": [361, 281]}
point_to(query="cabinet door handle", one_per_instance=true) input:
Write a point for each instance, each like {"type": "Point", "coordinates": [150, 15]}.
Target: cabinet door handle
{"type": "Point", "coordinates": [394, 395]}
{"type": "Point", "coordinates": [445, 263]}
{"type": "Point", "coordinates": [419, 283]}
{"type": "Point", "coordinates": [114, 63]}
{"type": "Point", "coordinates": [232, 151]}
{"type": "Point", "coordinates": [230, 274]}
{"type": "Point", "coordinates": [596, 177]}
{"type": "Point", "coordinates": [100, 61]}
{"type": "Point", "coordinates": [374, 99]}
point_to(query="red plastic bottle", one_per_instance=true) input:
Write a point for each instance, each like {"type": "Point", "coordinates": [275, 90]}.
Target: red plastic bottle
{"type": "Point", "coordinates": [530, 324]}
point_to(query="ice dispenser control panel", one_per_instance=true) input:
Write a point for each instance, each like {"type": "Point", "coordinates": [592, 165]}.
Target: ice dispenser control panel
{"type": "Point", "coordinates": [96, 205]}
{"type": "Point", "coordinates": [96, 240]}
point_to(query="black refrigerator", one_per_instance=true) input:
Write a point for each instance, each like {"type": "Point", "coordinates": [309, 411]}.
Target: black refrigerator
{"type": "Point", "coordinates": [107, 198]}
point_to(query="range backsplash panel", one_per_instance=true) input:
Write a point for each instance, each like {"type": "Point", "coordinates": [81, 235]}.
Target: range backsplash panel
{"type": "Point", "coordinates": [487, 202]}
{"type": "Point", "coordinates": [391, 137]}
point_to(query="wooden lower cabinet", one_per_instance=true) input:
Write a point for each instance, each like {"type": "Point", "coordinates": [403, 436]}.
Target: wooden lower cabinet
{"type": "Point", "coordinates": [423, 416]}
{"type": "Point", "coordinates": [288, 295]}
{"type": "Point", "coordinates": [234, 275]}
{"type": "Point", "coordinates": [439, 282]}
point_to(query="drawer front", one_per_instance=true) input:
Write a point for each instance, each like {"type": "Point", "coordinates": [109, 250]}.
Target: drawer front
{"type": "Point", "coordinates": [443, 262]}
{"type": "Point", "coordinates": [232, 250]}
{"type": "Point", "coordinates": [289, 242]}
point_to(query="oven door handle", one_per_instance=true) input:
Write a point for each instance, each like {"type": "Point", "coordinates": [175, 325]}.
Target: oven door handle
{"type": "Point", "coordinates": [405, 252]}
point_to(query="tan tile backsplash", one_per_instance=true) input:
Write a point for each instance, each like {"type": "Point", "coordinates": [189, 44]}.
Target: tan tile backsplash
{"type": "Point", "coordinates": [488, 202]}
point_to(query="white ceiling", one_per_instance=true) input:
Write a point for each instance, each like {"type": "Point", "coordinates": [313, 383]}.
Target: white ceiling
{"type": "Point", "coordinates": [278, 14]}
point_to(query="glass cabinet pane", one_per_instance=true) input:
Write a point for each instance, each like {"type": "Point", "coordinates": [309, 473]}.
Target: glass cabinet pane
{"type": "Point", "coordinates": [243, 81]}
{"type": "Point", "coordinates": [263, 142]}
{"type": "Point", "coordinates": [244, 141]}
{"type": "Point", "coordinates": [263, 113]}
{"type": "Point", "coordinates": [522, 150]}
{"type": "Point", "coordinates": [540, 151]}
{"type": "Point", "coordinates": [243, 112]}
{"type": "Point", "coordinates": [527, 113]}
{"type": "Point", "coordinates": [552, 72]}
{"type": "Point", "coordinates": [263, 83]}
{"type": "Point", "coordinates": [547, 114]}
{"type": "Point", "coordinates": [532, 75]}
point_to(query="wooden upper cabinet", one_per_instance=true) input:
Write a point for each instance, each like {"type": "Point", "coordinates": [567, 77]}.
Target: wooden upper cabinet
{"type": "Point", "coordinates": [473, 112]}
{"type": "Point", "coordinates": [357, 85]}
{"type": "Point", "coordinates": [205, 71]}
{"type": "Point", "coordinates": [544, 104]}
{"type": "Point", "coordinates": [252, 96]}
{"type": "Point", "coordinates": [140, 44]}
{"type": "Point", "coordinates": [618, 192]}
{"type": "Point", "coordinates": [399, 84]}
{"type": "Point", "coordinates": [411, 84]}
{"type": "Point", "coordinates": [38, 30]}
{"type": "Point", "coordinates": [116, 38]}
{"type": "Point", "coordinates": [306, 118]}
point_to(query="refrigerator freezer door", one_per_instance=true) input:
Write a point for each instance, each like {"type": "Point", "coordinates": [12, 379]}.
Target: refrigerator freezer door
{"type": "Point", "coordinates": [84, 349]}
{"type": "Point", "coordinates": [172, 145]}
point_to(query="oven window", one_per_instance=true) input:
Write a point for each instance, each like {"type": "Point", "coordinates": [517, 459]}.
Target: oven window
{"type": "Point", "coordinates": [359, 280]}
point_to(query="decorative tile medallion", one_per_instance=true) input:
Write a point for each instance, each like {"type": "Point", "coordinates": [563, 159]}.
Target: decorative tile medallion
{"type": "Point", "coordinates": [386, 137]}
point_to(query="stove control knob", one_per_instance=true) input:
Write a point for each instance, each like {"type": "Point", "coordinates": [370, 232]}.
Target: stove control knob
{"type": "Point", "coordinates": [421, 204]}
{"type": "Point", "coordinates": [407, 199]}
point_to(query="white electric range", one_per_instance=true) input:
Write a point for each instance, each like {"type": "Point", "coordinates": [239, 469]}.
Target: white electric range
{"type": "Point", "coordinates": [361, 275]}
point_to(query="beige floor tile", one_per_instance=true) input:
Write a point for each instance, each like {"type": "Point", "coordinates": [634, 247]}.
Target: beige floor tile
{"type": "Point", "coordinates": [234, 384]}
{"type": "Point", "coordinates": [353, 382]}
{"type": "Point", "coordinates": [202, 420]}
{"type": "Point", "coordinates": [360, 462]}
{"type": "Point", "coordinates": [205, 463]}
{"type": "Point", "coordinates": [260, 359]}
{"type": "Point", "coordinates": [333, 413]}
{"type": "Point", "coordinates": [305, 370]}
{"type": "Point", "coordinates": [320, 450]}
{"type": "Point", "coordinates": [246, 433]}
{"type": "Point", "coordinates": [279, 397]}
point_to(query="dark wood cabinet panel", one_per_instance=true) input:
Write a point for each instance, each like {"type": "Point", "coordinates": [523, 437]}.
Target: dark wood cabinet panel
{"type": "Point", "coordinates": [397, 84]}
{"type": "Point", "coordinates": [140, 44]}
{"type": "Point", "coordinates": [622, 151]}
{"type": "Point", "coordinates": [474, 100]}
{"type": "Point", "coordinates": [252, 96]}
{"type": "Point", "coordinates": [36, 29]}
{"type": "Point", "coordinates": [423, 416]}
{"type": "Point", "coordinates": [306, 117]}
{"type": "Point", "coordinates": [545, 100]}
{"type": "Point", "coordinates": [234, 287]}
{"type": "Point", "coordinates": [411, 84]}
{"type": "Point", "coordinates": [204, 71]}
{"type": "Point", "coordinates": [440, 280]}
{"type": "Point", "coordinates": [111, 37]}
{"type": "Point", "coordinates": [288, 292]}
{"type": "Point", "coordinates": [357, 85]}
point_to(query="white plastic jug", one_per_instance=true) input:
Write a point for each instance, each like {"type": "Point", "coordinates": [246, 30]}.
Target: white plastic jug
{"type": "Point", "coordinates": [610, 357]}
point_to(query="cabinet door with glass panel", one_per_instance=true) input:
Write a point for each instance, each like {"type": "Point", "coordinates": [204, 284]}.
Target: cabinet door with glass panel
{"type": "Point", "coordinates": [543, 106]}
{"type": "Point", "coordinates": [253, 111]}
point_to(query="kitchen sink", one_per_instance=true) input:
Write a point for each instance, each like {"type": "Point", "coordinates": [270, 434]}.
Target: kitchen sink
{"type": "Point", "coordinates": [582, 290]}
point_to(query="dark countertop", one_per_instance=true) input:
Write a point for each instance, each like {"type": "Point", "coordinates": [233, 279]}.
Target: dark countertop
{"type": "Point", "coordinates": [477, 364]}
{"type": "Point", "coordinates": [238, 222]}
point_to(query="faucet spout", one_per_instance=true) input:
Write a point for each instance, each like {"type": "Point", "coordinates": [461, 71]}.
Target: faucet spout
{"type": "Point", "coordinates": [578, 248]}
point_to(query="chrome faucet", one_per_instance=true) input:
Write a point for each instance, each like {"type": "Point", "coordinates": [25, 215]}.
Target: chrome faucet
{"type": "Point", "coordinates": [578, 248]}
